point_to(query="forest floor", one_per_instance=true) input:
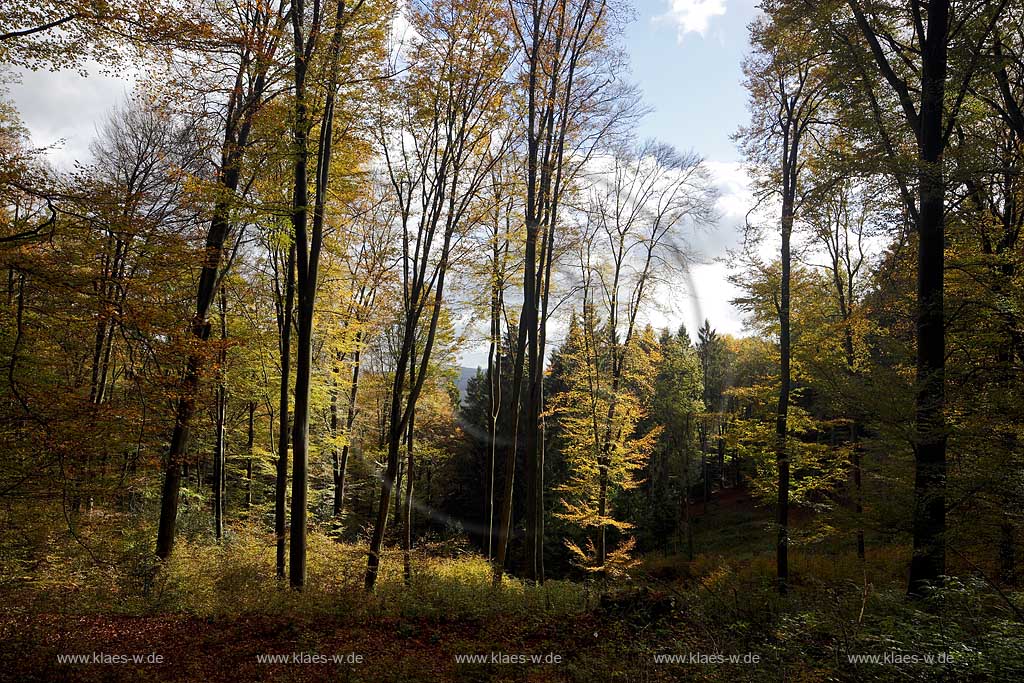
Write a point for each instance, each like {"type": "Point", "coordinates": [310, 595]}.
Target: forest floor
{"type": "Point", "coordinates": [211, 649]}
{"type": "Point", "coordinates": [215, 613]}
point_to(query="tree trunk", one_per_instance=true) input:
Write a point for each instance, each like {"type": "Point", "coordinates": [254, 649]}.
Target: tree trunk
{"type": "Point", "coordinates": [929, 562]}
{"type": "Point", "coordinates": [529, 294]}
{"type": "Point", "coordinates": [219, 454]}
{"type": "Point", "coordinates": [686, 494]}
{"type": "Point", "coordinates": [494, 387]}
{"type": "Point", "coordinates": [350, 418]}
{"type": "Point", "coordinates": [307, 249]}
{"type": "Point", "coordinates": [782, 412]}
{"type": "Point", "coordinates": [407, 535]}
{"type": "Point", "coordinates": [243, 106]}
{"type": "Point", "coordinates": [250, 444]}
{"type": "Point", "coordinates": [721, 456]}
{"type": "Point", "coordinates": [284, 430]}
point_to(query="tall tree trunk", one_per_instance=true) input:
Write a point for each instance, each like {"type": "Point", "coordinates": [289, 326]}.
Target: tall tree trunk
{"type": "Point", "coordinates": [250, 444]}
{"type": "Point", "coordinates": [308, 246]}
{"type": "Point", "coordinates": [284, 430]}
{"type": "Point", "coordinates": [304, 310]}
{"type": "Point", "coordinates": [350, 418]}
{"type": "Point", "coordinates": [219, 452]}
{"type": "Point", "coordinates": [782, 411]}
{"type": "Point", "coordinates": [686, 493]}
{"type": "Point", "coordinates": [185, 409]}
{"type": "Point", "coordinates": [407, 534]}
{"type": "Point", "coordinates": [333, 424]}
{"type": "Point", "coordinates": [395, 436]}
{"type": "Point", "coordinates": [721, 455]}
{"type": "Point", "coordinates": [519, 362]}
{"type": "Point", "coordinates": [494, 387]}
{"type": "Point", "coordinates": [243, 106]}
{"type": "Point", "coordinates": [858, 489]}
{"type": "Point", "coordinates": [929, 562]}
{"type": "Point", "coordinates": [705, 479]}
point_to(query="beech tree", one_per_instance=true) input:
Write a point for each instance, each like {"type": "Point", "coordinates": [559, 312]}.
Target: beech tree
{"type": "Point", "coordinates": [918, 74]}
{"type": "Point", "coordinates": [632, 243]}
{"type": "Point", "coordinates": [788, 92]}
{"type": "Point", "coordinates": [438, 144]}
{"type": "Point", "coordinates": [574, 100]}
{"type": "Point", "coordinates": [251, 54]}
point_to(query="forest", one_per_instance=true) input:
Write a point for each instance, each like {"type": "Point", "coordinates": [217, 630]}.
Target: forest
{"type": "Point", "coordinates": [353, 350]}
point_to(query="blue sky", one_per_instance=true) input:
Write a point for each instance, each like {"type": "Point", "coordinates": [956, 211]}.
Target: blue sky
{"type": "Point", "coordinates": [687, 61]}
{"type": "Point", "coordinates": [686, 56]}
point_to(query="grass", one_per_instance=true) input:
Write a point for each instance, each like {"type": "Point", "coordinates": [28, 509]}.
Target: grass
{"type": "Point", "coordinates": [214, 607]}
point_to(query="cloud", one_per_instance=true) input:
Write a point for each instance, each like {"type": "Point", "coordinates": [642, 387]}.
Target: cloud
{"type": "Point", "coordinates": [62, 109]}
{"type": "Point", "coordinates": [693, 16]}
{"type": "Point", "coordinates": [734, 200]}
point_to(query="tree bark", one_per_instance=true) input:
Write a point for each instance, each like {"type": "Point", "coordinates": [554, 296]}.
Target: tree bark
{"type": "Point", "coordinates": [242, 108]}
{"type": "Point", "coordinates": [250, 444]}
{"type": "Point", "coordinates": [407, 535]}
{"type": "Point", "coordinates": [350, 418]}
{"type": "Point", "coordinates": [308, 246]}
{"type": "Point", "coordinates": [929, 562]}
{"type": "Point", "coordinates": [782, 411]}
{"type": "Point", "coordinates": [285, 314]}
{"type": "Point", "coordinates": [220, 454]}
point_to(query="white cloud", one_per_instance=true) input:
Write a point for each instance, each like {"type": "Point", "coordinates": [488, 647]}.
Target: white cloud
{"type": "Point", "coordinates": [62, 109]}
{"type": "Point", "coordinates": [733, 182]}
{"type": "Point", "coordinates": [693, 16]}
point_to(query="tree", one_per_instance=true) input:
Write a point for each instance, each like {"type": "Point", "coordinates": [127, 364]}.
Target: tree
{"type": "Point", "coordinates": [354, 36]}
{"type": "Point", "coordinates": [597, 468]}
{"type": "Point", "coordinates": [251, 56]}
{"type": "Point", "coordinates": [788, 92]}
{"type": "Point", "coordinates": [452, 124]}
{"type": "Point", "coordinates": [933, 29]}
{"type": "Point", "coordinates": [574, 100]}
{"type": "Point", "coordinates": [677, 403]}
{"type": "Point", "coordinates": [650, 195]}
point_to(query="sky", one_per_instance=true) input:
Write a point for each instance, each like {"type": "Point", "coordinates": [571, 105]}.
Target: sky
{"type": "Point", "coordinates": [685, 56]}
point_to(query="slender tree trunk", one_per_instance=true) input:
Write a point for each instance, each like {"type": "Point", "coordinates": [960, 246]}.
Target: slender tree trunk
{"type": "Point", "coordinates": [220, 454]}
{"type": "Point", "coordinates": [308, 246]}
{"type": "Point", "coordinates": [721, 455]}
{"type": "Point", "coordinates": [284, 429]}
{"type": "Point", "coordinates": [782, 412]}
{"type": "Point", "coordinates": [242, 109]}
{"type": "Point", "coordinates": [494, 387]}
{"type": "Point", "coordinates": [250, 444]}
{"type": "Point", "coordinates": [395, 437]}
{"type": "Point", "coordinates": [858, 490]}
{"type": "Point", "coordinates": [529, 294]}
{"type": "Point", "coordinates": [335, 453]}
{"type": "Point", "coordinates": [407, 535]}
{"type": "Point", "coordinates": [350, 418]}
{"type": "Point", "coordinates": [398, 490]}
{"type": "Point", "coordinates": [686, 494]}
{"type": "Point", "coordinates": [219, 228]}
{"type": "Point", "coordinates": [399, 415]}
{"type": "Point", "coordinates": [929, 562]}
{"type": "Point", "coordinates": [705, 479]}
